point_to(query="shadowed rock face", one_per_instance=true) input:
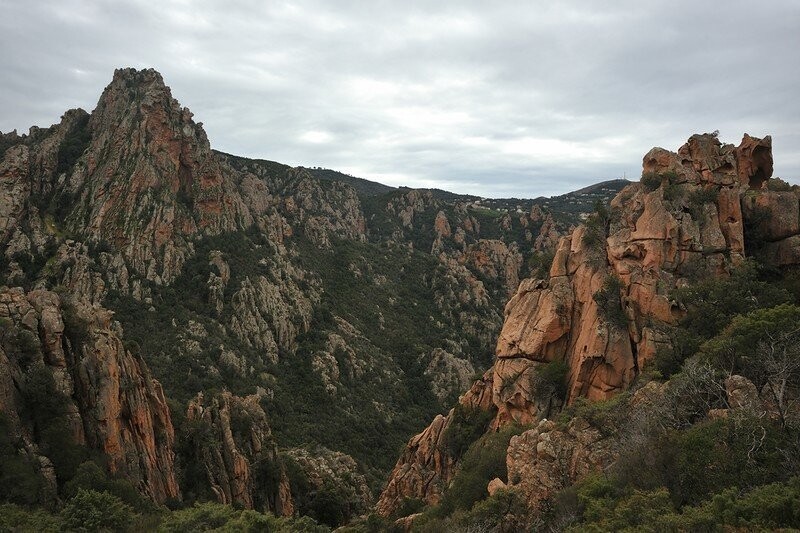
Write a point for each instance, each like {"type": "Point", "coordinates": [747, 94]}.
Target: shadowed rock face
{"type": "Point", "coordinates": [425, 468]}
{"type": "Point", "coordinates": [108, 398]}
{"type": "Point", "coordinates": [242, 455]}
{"type": "Point", "coordinates": [112, 204]}
{"type": "Point", "coordinates": [686, 223]}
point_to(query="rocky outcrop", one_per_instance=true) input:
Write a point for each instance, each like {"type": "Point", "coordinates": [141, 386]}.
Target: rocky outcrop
{"type": "Point", "coordinates": [425, 467]}
{"type": "Point", "coordinates": [269, 311]}
{"type": "Point", "coordinates": [448, 374]}
{"type": "Point", "coordinates": [241, 464]}
{"type": "Point", "coordinates": [328, 471]}
{"type": "Point", "coordinates": [686, 225]}
{"type": "Point", "coordinates": [604, 307]}
{"type": "Point", "coordinates": [109, 400]}
{"type": "Point", "coordinates": [496, 260]}
{"type": "Point", "coordinates": [544, 460]}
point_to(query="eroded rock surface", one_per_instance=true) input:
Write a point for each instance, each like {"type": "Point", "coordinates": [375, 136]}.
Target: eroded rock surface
{"type": "Point", "coordinates": [242, 464]}
{"type": "Point", "coordinates": [604, 307]}
{"type": "Point", "coordinates": [111, 403]}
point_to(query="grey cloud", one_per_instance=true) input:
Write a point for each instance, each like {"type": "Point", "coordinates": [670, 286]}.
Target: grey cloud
{"type": "Point", "coordinates": [500, 99]}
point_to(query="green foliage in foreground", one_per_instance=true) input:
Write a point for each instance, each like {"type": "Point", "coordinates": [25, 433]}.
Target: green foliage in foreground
{"type": "Point", "coordinates": [772, 506]}
{"type": "Point", "coordinates": [223, 518]}
{"type": "Point", "coordinates": [711, 304]}
{"type": "Point", "coordinates": [90, 511]}
{"type": "Point", "coordinates": [504, 511]}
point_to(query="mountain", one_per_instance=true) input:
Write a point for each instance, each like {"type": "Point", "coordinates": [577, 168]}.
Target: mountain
{"type": "Point", "coordinates": [362, 186]}
{"type": "Point", "coordinates": [255, 311]}
{"type": "Point", "coordinates": [181, 326]}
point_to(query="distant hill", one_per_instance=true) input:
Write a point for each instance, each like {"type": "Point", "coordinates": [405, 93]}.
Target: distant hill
{"type": "Point", "coordinates": [362, 186]}
{"type": "Point", "coordinates": [583, 200]}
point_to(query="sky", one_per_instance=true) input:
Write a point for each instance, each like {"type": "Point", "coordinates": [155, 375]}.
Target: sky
{"type": "Point", "coordinates": [497, 99]}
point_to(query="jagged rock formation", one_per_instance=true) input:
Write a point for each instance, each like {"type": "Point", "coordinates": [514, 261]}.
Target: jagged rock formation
{"type": "Point", "coordinates": [690, 225]}
{"type": "Point", "coordinates": [227, 272]}
{"type": "Point", "coordinates": [426, 467]}
{"type": "Point", "coordinates": [72, 356]}
{"type": "Point", "coordinates": [327, 471]}
{"type": "Point", "coordinates": [605, 303]}
{"type": "Point", "coordinates": [242, 464]}
{"type": "Point", "coordinates": [149, 180]}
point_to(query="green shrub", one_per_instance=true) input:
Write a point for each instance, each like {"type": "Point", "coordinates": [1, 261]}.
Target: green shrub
{"type": "Point", "coordinates": [91, 476]}
{"type": "Point", "coordinates": [505, 510]}
{"type": "Point", "coordinates": [763, 346]}
{"type": "Point", "coordinates": [26, 520]}
{"type": "Point", "coordinates": [550, 381]}
{"type": "Point", "coordinates": [609, 302]}
{"type": "Point", "coordinates": [21, 345]}
{"type": "Point", "coordinates": [74, 144]}
{"type": "Point", "coordinates": [539, 264]}
{"type": "Point", "coordinates": [651, 181]}
{"type": "Point", "coordinates": [594, 237]}
{"type": "Point", "coordinates": [408, 507]}
{"type": "Point", "coordinates": [47, 407]}
{"type": "Point", "coordinates": [778, 185]}
{"type": "Point", "coordinates": [711, 304]}
{"type": "Point", "coordinates": [19, 477]}
{"type": "Point", "coordinates": [484, 460]}
{"type": "Point", "coordinates": [467, 425]}
{"type": "Point", "coordinates": [91, 511]}
{"type": "Point", "coordinates": [224, 518]}
{"type": "Point", "coordinates": [673, 191]}
{"type": "Point", "coordinates": [713, 456]}
{"type": "Point", "coordinates": [200, 517]}
{"type": "Point", "coordinates": [329, 506]}
{"type": "Point", "coordinates": [703, 195]}
{"type": "Point", "coordinates": [606, 415]}
{"type": "Point", "coordinates": [755, 229]}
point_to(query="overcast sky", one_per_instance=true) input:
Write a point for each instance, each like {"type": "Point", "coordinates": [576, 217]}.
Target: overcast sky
{"type": "Point", "coordinates": [492, 98]}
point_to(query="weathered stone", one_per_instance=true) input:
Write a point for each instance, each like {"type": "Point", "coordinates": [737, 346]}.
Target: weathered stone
{"type": "Point", "coordinates": [242, 438]}
{"type": "Point", "coordinates": [113, 405]}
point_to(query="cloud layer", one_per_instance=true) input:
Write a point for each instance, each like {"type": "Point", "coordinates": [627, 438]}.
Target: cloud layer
{"type": "Point", "coordinates": [492, 98]}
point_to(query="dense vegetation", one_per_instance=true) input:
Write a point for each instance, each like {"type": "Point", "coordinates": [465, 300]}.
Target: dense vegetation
{"type": "Point", "coordinates": [392, 286]}
{"type": "Point", "coordinates": [91, 510]}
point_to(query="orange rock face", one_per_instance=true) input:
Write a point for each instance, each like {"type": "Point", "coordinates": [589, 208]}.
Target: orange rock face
{"type": "Point", "coordinates": [145, 152]}
{"type": "Point", "coordinates": [112, 403]}
{"type": "Point", "coordinates": [605, 303]}
{"type": "Point", "coordinates": [425, 467]}
{"type": "Point", "coordinates": [689, 226]}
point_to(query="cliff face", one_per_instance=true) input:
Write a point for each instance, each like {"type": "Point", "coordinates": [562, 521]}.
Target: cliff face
{"type": "Point", "coordinates": [425, 467]}
{"type": "Point", "coordinates": [65, 366]}
{"type": "Point", "coordinates": [685, 223]}
{"type": "Point", "coordinates": [240, 459]}
{"type": "Point", "coordinates": [604, 307]}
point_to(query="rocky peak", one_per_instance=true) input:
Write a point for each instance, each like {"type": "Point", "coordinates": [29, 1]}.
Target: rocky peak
{"type": "Point", "coordinates": [148, 180]}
